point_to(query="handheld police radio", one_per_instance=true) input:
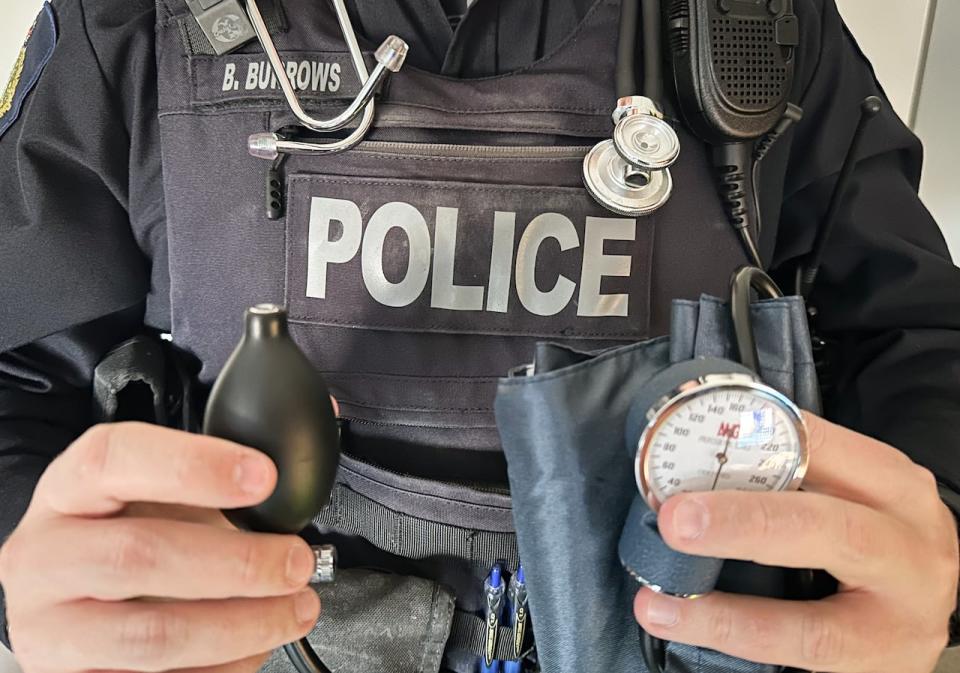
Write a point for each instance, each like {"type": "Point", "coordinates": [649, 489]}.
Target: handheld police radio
{"type": "Point", "coordinates": [733, 64]}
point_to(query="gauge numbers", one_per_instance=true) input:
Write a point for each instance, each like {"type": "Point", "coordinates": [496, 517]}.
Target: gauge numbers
{"type": "Point", "coordinates": [721, 438]}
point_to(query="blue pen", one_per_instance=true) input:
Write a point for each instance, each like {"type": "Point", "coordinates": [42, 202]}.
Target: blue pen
{"type": "Point", "coordinates": [517, 596]}
{"type": "Point", "coordinates": [493, 591]}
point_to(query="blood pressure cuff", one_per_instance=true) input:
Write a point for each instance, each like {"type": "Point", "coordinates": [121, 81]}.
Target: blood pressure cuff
{"type": "Point", "coordinates": [572, 481]}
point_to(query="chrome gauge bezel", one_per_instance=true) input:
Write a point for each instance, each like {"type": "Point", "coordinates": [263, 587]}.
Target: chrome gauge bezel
{"type": "Point", "coordinates": [691, 390]}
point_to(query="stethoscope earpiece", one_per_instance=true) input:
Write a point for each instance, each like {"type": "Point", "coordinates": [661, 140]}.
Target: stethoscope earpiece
{"type": "Point", "coordinates": [630, 174]}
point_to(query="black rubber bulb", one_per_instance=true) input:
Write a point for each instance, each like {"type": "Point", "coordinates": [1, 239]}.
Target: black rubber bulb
{"type": "Point", "coordinates": [270, 397]}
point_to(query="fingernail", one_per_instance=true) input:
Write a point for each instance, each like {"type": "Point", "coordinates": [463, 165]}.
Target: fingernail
{"type": "Point", "coordinates": [662, 611]}
{"type": "Point", "coordinates": [300, 564]}
{"type": "Point", "coordinates": [690, 519]}
{"type": "Point", "coordinates": [306, 605]}
{"type": "Point", "coordinates": [251, 475]}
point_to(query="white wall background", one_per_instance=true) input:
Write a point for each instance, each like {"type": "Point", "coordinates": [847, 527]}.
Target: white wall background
{"type": "Point", "coordinates": [892, 32]}
{"type": "Point", "coordinates": [914, 46]}
{"type": "Point", "coordinates": [936, 121]}
{"type": "Point", "coordinates": [16, 16]}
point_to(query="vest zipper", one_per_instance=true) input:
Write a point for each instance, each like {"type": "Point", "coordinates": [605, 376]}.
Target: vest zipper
{"type": "Point", "coordinates": [275, 185]}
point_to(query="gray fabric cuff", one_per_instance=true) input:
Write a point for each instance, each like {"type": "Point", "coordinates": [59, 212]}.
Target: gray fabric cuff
{"type": "Point", "coordinates": [651, 561]}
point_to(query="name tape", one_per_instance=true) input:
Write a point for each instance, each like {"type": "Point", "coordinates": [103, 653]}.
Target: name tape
{"type": "Point", "coordinates": [250, 77]}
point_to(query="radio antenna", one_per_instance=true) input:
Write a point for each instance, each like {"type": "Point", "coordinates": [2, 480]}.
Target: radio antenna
{"type": "Point", "coordinates": [869, 108]}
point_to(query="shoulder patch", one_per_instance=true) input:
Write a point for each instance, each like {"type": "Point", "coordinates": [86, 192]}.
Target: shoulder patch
{"type": "Point", "coordinates": [33, 57]}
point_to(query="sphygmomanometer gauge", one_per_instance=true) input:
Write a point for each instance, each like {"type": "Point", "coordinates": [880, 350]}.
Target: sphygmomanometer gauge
{"type": "Point", "coordinates": [720, 432]}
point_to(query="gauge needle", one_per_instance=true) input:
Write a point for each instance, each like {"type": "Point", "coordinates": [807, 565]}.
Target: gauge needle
{"type": "Point", "coordinates": [722, 459]}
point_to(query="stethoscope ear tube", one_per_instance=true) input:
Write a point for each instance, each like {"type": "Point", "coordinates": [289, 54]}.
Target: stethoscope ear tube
{"type": "Point", "coordinates": [390, 57]}
{"type": "Point", "coordinates": [303, 658]}
{"type": "Point", "coordinates": [744, 282]}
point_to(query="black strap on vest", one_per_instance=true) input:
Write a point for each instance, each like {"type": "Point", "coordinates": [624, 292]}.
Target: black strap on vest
{"type": "Point", "coordinates": [409, 536]}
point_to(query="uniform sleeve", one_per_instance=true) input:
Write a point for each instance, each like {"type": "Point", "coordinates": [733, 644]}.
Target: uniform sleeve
{"type": "Point", "coordinates": [68, 254]}
{"type": "Point", "coordinates": [45, 404]}
{"type": "Point", "coordinates": [888, 292]}
{"type": "Point", "coordinates": [81, 215]}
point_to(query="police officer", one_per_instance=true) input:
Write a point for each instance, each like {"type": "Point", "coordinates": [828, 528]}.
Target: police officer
{"type": "Point", "coordinates": [416, 274]}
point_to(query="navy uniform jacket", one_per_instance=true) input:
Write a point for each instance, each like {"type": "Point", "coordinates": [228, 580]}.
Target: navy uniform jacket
{"type": "Point", "coordinates": [83, 249]}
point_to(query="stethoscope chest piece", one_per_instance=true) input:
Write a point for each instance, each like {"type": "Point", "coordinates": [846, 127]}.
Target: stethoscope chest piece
{"type": "Point", "coordinates": [642, 137]}
{"type": "Point", "coordinates": [630, 174]}
{"type": "Point", "coordinates": [622, 187]}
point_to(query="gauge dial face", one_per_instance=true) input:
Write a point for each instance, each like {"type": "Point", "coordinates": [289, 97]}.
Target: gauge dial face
{"type": "Point", "coordinates": [722, 438]}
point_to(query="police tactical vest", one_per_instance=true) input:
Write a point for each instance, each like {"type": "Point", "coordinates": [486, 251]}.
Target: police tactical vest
{"type": "Point", "coordinates": [422, 266]}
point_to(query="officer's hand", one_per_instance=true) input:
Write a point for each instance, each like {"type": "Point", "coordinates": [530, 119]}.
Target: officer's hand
{"type": "Point", "coordinates": [870, 517]}
{"type": "Point", "coordinates": [88, 551]}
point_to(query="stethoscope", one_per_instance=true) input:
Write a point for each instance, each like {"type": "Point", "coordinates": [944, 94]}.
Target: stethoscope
{"type": "Point", "coordinates": [628, 174]}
